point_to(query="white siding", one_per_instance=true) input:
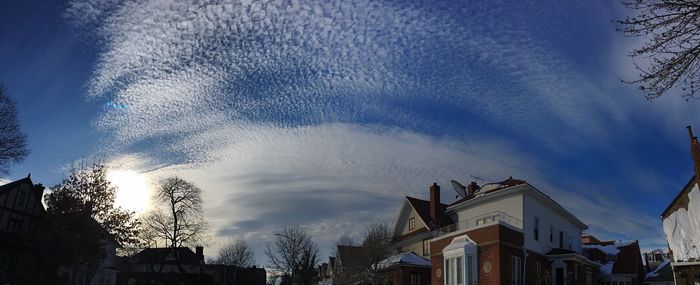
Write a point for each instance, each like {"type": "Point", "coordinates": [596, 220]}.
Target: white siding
{"type": "Point", "coordinates": [548, 217]}
{"type": "Point", "coordinates": [419, 223]}
{"type": "Point", "coordinates": [511, 204]}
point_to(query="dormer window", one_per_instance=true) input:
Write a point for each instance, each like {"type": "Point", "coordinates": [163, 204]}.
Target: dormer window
{"type": "Point", "coordinates": [411, 223]}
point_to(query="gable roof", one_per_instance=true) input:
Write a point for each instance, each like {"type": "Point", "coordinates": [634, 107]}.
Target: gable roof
{"type": "Point", "coordinates": [37, 189]}
{"type": "Point", "coordinates": [350, 255]}
{"type": "Point", "coordinates": [164, 255]}
{"type": "Point", "coordinates": [422, 208]}
{"type": "Point", "coordinates": [616, 257]}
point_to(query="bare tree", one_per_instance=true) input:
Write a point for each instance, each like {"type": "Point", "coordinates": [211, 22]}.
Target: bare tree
{"type": "Point", "coordinates": [237, 253]}
{"type": "Point", "coordinates": [292, 252]}
{"type": "Point", "coordinates": [671, 33]}
{"type": "Point", "coordinates": [376, 248]}
{"type": "Point", "coordinates": [179, 220]}
{"type": "Point", "coordinates": [13, 143]}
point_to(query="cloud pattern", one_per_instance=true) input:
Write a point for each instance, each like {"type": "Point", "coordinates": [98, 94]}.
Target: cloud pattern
{"type": "Point", "coordinates": [327, 113]}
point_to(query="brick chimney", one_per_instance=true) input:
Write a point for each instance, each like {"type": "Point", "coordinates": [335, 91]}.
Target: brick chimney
{"type": "Point", "coordinates": [434, 202]}
{"type": "Point", "coordinates": [199, 250]}
{"type": "Point", "coordinates": [695, 153]}
{"type": "Point", "coordinates": [471, 189]}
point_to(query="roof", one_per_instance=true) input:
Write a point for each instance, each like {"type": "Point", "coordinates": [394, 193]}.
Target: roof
{"type": "Point", "coordinates": [406, 258]}
{"type": "Point", "coordinates": [663, 272]}
{"type": "Point", "coordinates": [422, 207]}
{"type": "Point", "coordinates": [38, 189]}
{"type": "Point", "coordinates": [492, 187]}
{"type": "Point", "coordinates": [350, 255]}
{"type": "Point", "coordinates": [616, 257]}
{"type": "Point", "coordinates": [164, 255]}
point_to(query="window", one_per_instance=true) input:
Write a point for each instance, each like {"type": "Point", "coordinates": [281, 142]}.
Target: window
{"type": "Point", "coordinates": [551, 233]}
{"type": "Point", "coordinates": [416, 278]}
{"type": "Point", "coordinates": [516, 270]}
{"type": "Point", "coordinates": [570, 242]}
{"type": "Point", "coordinates": [561, 239]}
{"type": "Point", "coordinates": [589, 277]}
{"type": "Point", "coordinates": [426, 247]}
{"type": "Point", "coordinates": [15, 225]}
{"type": "Point", "coordinates": [411, 223]}
{"type": "Point", "coordinates": [22, 198]}
{"type": "Point", "coordinates": [460, 270]}
{"type": "Point", "coordinates": [448, 277]}
{"type": "Point", "coordinates": [537, 228]}
{"type": "Point", "coordinates": [538, 273]}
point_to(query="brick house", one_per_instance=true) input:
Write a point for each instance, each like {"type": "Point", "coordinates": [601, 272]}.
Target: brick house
{"type": "Point", "coordinates": [500, 233]}
{"type": "Point", "coordinates": [681, 223]}
{"type": "Point", "coordinates": [621, 261]}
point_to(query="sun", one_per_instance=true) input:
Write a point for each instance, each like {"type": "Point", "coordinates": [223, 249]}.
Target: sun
{"type": "Point", "coordinates": [133, 191]}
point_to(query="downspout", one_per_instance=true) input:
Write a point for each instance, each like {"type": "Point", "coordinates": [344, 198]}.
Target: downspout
{"type": "Point", "coordinates": [525, 254]}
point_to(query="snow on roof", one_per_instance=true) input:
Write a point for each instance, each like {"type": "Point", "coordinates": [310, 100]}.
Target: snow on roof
{"type": "Point", "coordinates": [406, 258]}
{"type": "Point", "coordinates": [612, 249]}
{"type": "Point", "coordinates": [606, 269]}
{"type": "Point", "coordinates": [656, 271]}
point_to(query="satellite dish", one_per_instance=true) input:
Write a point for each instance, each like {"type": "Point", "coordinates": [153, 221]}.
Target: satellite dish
{"type": "Point", "coordinates": [459, 188]}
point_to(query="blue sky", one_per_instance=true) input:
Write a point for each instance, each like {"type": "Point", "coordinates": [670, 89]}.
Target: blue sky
{"type": "Point", "coordinates": [327, 115]}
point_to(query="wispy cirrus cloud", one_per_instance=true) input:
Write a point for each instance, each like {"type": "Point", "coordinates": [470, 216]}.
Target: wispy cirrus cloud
{"type": "Point", "coordinates": [260, 103]}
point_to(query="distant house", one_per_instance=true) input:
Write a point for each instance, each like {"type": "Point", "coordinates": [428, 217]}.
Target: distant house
{"type": "Point", "coordinates": [659, 271]}
{"type": "Point", "coordinates": [681, 223]}
{"type": "Point", "coordinates": [233, 275]}
{"type": "Point", "coordinates": [621, 261]}
{"type": "Point", "coordinates": [166, 266]}
{"type": "Point", "coordinates": [506, 232]}
{"type": "Point", "coordinates": [349, 264]}
{"type": "Point", "coordinates": [21, 217]}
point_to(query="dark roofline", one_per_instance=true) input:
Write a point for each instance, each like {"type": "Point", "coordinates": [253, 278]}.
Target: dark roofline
{"type": "Point", "coordinates": [680, 194]}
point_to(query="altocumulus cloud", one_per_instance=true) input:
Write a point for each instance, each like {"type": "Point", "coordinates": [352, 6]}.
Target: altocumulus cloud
{"type": "Point", "coordinates": [327, 113]}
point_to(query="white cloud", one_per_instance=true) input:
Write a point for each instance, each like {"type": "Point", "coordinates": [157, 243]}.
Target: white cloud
{"type": "Point", "coordinates": [247, 100]}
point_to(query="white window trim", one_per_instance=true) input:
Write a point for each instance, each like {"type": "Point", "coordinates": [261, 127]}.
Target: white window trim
{"type": "Point", "coordinates": [461, 246]}
{"type": "Point", "coordinates": [558, 264]}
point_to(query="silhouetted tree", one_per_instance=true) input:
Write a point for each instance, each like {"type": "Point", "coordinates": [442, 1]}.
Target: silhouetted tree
{"type": "Point", "coordinates": [88, 191]}
{"type": "Point", "coordinates": [671, 33]}
{"type": "Point", "coordinates": [82, 218]}
{"type": "Point", "coordinates": [13, 143]}
{"type": "Point", "coordinates": [236, 253]}
{"type": "Point", "coordinates": [291, 253]}
{"type": "Point", "coordinates": [178, 219]}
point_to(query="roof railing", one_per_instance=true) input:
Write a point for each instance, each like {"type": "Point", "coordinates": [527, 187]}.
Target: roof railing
{"type": "Point", "coordinates": [490, 218]}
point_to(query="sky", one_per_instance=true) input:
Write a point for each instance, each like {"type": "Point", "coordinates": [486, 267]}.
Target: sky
{"type": "Point", "coordinates": [327, 115]}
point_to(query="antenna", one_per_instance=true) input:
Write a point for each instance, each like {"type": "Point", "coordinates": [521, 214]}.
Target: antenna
{"type": "Point", "coordinates": [476, 178]}
{"type": "Point", "coordinates": [459, 188]}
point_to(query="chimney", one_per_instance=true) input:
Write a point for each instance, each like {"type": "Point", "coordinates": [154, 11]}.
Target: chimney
{"type": "Point", "coordinates": [199, 250]}
{"type": "Point", "coordinates": [471, 189]}
{"type": "Point", "coordinates": [434, 202]}
{"type": "Point", "coordinates": [695, 153]}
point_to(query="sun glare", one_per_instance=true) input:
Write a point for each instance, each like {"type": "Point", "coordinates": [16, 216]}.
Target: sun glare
{"type": "Point", "coordinates": [133, 192]}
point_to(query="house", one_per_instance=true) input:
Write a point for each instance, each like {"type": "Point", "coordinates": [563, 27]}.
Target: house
{"type": "Point", "coordinates": [234, 275]}
{"type": "Point", "coordinates": [681, 223]}
{"type": "Point", "coordinates": [658, 267]}
{"type": "Point", "coordinates": [21, 217]}
{"type": "Point", "coordinates": [507, 232]}
{"type": "Point", "coordinates": [621, 261]}
{"type": "Point", "coordinates": [166, 266]}
{"type": "Point", "coordinates": [405, 268]}
{"type": "Point", "coordinates": [349, 264]}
